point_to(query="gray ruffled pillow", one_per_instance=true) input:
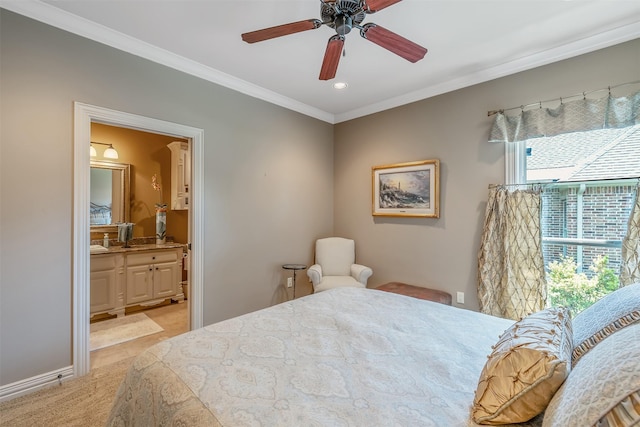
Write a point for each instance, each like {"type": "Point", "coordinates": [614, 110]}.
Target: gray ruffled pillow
{"type": "Point", "coordinates": [604, 388]}
{"type": "Point", "coordinates": [612, 313]}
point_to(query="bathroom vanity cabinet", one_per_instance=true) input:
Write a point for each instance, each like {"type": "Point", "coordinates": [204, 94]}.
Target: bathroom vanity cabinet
{"type": "Point", "coordinates": [106, 273]}
{"type": "Point", "coordinates": [153, 276]}
{"type": "Point", "coordinates": [138, 276]}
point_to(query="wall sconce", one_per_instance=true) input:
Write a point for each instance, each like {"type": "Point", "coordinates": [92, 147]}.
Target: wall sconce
{"type": "Point", "coordinates": [109, 153]}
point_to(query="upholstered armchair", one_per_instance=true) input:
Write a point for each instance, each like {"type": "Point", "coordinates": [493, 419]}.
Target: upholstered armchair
{"type": "Point", "coordinates": [335, 265]}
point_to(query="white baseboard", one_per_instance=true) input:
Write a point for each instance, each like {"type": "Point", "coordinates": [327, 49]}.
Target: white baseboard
{"type": "Point", "coordinates": [29, 385]}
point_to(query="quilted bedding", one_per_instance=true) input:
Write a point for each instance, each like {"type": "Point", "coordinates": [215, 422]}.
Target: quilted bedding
{"type": "Point", "coordinates": [344, 357]}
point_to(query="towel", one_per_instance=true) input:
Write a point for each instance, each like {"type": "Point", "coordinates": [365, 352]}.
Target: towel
{"type": "Point", "coordinates": [97, 248]}
{"type": "Point", "coordinates": [125, 232]}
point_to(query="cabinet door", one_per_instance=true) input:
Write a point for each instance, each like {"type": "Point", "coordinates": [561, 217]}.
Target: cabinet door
{"type": "Point", "coordinates": [103, 290]}
{"type": "Point", "coordinates": [165, 279]}
{"type": "Point", "coordinates": [139, 283]}
{"type": "Point", "coordinates": [180, 175]}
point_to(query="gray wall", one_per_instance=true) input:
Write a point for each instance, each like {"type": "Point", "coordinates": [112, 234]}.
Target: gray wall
{"type": "Point", "coordinates": [442, 253]}
{"type": "Point", "coordinates": [272, 178]}
{"type": "Point", "coordinates": [268, 183]}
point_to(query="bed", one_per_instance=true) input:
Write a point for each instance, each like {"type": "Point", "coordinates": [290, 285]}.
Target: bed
{"type": "Point", "coordinates": [344, 357]}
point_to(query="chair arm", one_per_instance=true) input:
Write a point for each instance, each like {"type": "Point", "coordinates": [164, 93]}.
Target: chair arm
{"type": "Point", "coordinates": [315, 274]}
{"type": "Point", "coordinates": [361, 273]}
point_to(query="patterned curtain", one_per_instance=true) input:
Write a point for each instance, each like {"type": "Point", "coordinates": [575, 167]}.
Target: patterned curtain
{"type": "Point", "coordinates": [511, 277]}
{"type": "Point", "coordinates": [574, 116]}
{"type": "Point", "coordinates": [630, 268]}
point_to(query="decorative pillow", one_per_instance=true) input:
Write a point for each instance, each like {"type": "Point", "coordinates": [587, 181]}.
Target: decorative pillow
{"type": "Point", "coordinates": [624, 414]}
{"type": "Point", "coordinates": [528, 364]}
{"type": "Point", "coordinates": [604, 388]}
{"type": "Point", "coordinates": [615, 311]}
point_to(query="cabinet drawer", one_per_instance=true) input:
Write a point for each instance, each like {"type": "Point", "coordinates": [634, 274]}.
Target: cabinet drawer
{"type": "Point", "coordinates": [153, 257]}
{"type": "Point", "coordinates": [103, 262]}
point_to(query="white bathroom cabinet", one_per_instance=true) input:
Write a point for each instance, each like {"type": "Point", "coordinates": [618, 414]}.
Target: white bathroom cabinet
{"type": "Point", "coordinates": [107, 271]}
{"type": "Point", "coordinates": [129, 278]}
{"type": "Point", "coordinates": [154, 276]}
{"type": "Point", "coordinates": [180, 175]}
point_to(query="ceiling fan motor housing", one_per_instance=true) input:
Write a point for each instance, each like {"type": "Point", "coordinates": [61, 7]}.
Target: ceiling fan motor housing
{"type": "Point", "coordinates": [341, 15]}
{"type": "Point", "coordinates": [343, 24]}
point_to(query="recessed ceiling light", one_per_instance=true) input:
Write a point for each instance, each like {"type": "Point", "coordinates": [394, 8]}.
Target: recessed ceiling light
{"type": "Point", "coordinates": [340, 85]}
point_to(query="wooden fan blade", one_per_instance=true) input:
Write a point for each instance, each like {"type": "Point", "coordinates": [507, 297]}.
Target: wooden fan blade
{"type": "Point", "coordinates": [375, 5]}
{"type": "Point", "coordinates": [393, 42]}
{"type": "Point", "coordinates": [281, 30]}
{"type": "Point", "coordinates": [331, 58]}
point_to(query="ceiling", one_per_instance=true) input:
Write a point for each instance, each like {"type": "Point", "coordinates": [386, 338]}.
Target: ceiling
{"type": "Point", "coordinates": [468, 42]}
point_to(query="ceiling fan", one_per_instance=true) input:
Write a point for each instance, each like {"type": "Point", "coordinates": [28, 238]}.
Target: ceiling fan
{"type": "Point", "coordinates": [342, 16]}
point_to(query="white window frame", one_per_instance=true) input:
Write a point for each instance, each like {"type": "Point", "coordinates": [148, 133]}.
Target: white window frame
{"type": "Point", "coordinates": [515, 164]}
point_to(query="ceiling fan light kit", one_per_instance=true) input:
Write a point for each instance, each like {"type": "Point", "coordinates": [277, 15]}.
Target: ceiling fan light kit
{"type": "Point", "coordinates": [343, 16]}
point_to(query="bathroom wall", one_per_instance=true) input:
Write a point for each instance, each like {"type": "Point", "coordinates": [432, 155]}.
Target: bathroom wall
{"type": "Point", "coordinates": [147, 153]}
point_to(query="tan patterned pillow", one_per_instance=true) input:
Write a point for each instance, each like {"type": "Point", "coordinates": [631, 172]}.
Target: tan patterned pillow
{"type": "Point", "coordinates": [615, 311]}
{"type": "Point", "coordinates": [528, 364]}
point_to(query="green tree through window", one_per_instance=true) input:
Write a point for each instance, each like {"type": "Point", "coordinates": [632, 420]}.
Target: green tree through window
{"type": "Point", "coordinates": [569, 288]}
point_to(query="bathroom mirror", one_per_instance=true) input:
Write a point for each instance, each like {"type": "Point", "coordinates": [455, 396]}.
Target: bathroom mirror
{"type": "Point", "coordinates": [109, 195]}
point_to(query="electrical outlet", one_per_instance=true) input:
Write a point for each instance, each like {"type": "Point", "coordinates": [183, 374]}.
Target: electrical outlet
{"type": "Point", "coordinates": [289, 282]}
{"type": "Point", "coordinates": [460, 297]}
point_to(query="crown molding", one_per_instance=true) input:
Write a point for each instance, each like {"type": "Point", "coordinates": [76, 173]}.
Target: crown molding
{"type": "Point", "coordinates": [566, 51]}
{"type": "Point", "coordinates": [53, 16]}
{"type": "Point", "coordinates": [64, 20]}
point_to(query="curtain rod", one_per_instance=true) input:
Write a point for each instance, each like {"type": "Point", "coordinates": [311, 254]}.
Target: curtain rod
{"type": "Point", "coordinates": [583, 94]}
{"type": "Point", "coordinates": [550, 183]}
{"type": "Point", "coordinates": [527, 184]}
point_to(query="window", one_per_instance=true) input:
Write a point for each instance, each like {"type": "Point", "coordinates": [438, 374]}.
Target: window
{"type": "Point", "coordinates": [589, 181]}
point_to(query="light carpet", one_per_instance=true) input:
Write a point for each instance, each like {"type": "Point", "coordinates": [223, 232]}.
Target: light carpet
{"type": "Point", "coordinates": [79, 402]}
{"type": "Point", "coordinates": [115, 331]}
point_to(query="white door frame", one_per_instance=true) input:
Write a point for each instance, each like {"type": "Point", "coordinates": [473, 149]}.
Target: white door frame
{"type": "Point", "coordinates": [84, 115]}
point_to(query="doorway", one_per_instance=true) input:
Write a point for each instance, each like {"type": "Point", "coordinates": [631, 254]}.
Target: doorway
{"type": "Point", "coordinates": [150, 305]}
{"type": "Point", "coordinates": [85, 115]}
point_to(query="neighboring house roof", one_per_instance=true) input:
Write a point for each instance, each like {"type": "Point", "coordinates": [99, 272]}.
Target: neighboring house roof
{"type": "Point", "coordinates": [585, 156]}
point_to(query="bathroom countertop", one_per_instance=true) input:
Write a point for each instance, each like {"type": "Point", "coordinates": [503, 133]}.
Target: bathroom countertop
{"type": "Point", "coordinates": [140, 247]}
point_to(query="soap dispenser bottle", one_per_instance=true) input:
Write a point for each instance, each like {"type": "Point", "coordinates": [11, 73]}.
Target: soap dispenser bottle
{"type": "Point", "coordinates": [105, 242]}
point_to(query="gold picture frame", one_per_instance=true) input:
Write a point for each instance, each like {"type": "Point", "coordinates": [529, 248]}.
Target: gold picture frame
{"type": "Point", "coordinates": [407, 189]}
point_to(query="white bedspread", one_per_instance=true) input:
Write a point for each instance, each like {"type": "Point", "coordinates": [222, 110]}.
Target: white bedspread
{"type": "Point", "coordinates": [344, 357]}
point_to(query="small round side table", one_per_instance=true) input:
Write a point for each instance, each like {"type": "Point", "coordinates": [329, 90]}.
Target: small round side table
{"type": "Point", "coordinates": [295, 268]}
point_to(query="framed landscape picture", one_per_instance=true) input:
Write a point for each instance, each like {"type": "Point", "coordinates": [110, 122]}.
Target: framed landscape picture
{"type": "Point", "coordinates": [407, 189]}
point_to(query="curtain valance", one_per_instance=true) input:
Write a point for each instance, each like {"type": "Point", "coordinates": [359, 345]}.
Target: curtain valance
{"type": "Point", "coordinates": [574, 116]}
